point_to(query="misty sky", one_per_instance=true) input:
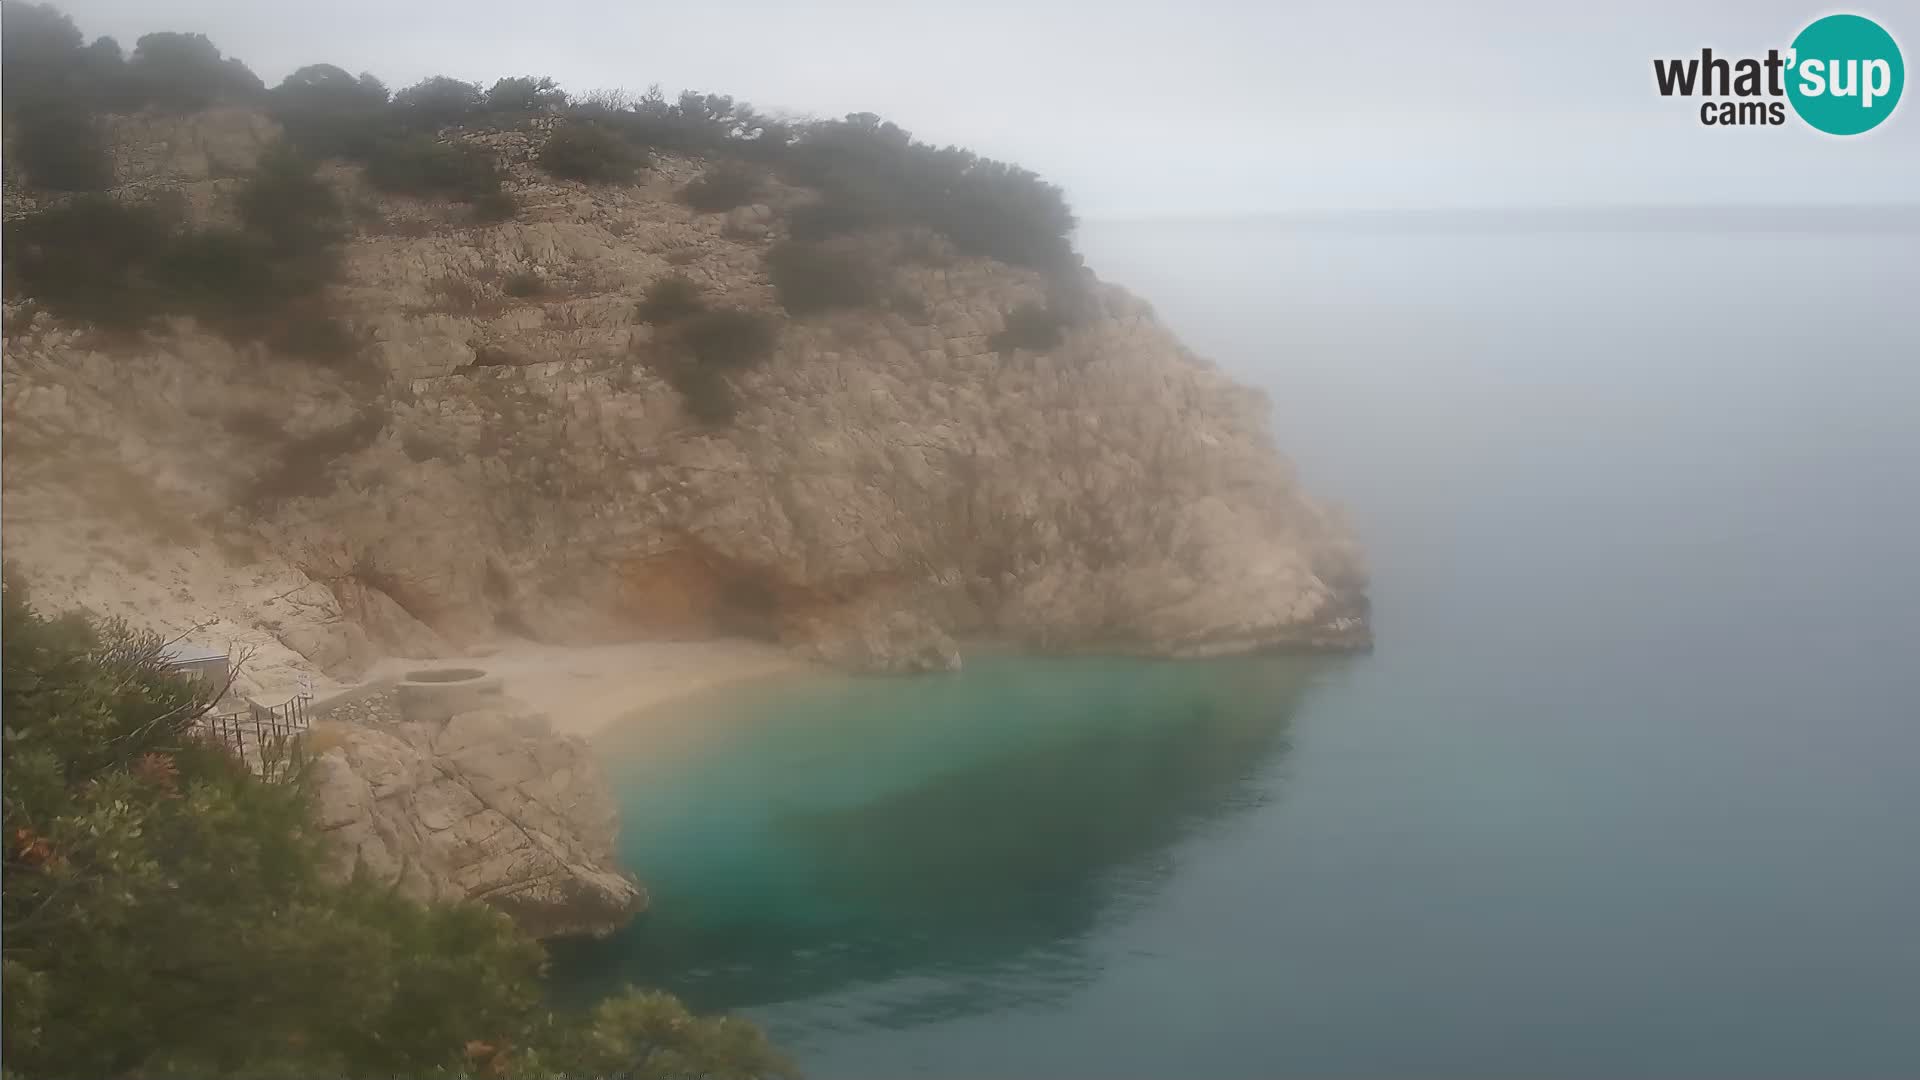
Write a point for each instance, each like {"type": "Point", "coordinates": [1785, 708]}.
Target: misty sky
{"type": "Point", "coordinates": [1152, 107]}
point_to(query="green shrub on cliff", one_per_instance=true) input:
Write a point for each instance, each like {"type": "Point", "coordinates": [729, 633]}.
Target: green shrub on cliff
{"type": "Point", "coordinates": [494, 207]}
{"type": "Point", "coordinates": [525, 94]}
{"type": "Point", "coordinates": [61, 149]}
{"type": "Point", "coordinates": [436, 102]}
{"type": "Point", "coordinates": [820, 277]}
{"type": "Point", "coordinates": [165, 914]}
{"type": "Point", "coordinates": [722, 187]}
{"type": "Point", "coordinates": [83, 259]}
{"type": "Point", "coordinates": [303, 466]}
{"type": "Point", "coordinates": [728, 339]}
{"type": "Point", "coordinates": [669, 299]}
{"type": "Point", "coordinates": [523, 283]}
{"type": "Point", "coordinates": [871, 172]}
{"type": "Point", "coordinates": [163, 907]}
{"type": "Point", "coordinates": [186, 73]}
{"type": "Point", "coordinates": [694, 123]}
{"type": "Point", "coordinates": [120, 264]}
{"type": "Point", "coordinates": [295, 210]}
{"type": "Point", "coordinates": [45, 64]}
{"type": "Point", "coordinates": [39, 55]}
{"type": "Point", "coordinates": [1029, 326]}
{"type": "Point", "coordinates": [704, 349]}
{"type": "Point", "coordinates": [421, 166]}
{"type": "Point", "coordinates": [326, 112]}
{"type": "Point", "coordinates": [708, 396]}
{"type": "Point", "coordinates": [49, 102]}
{"type": "Point", "coordinates": [650, 1036]}
{"type": "Point", "coordinates": [589, 152]}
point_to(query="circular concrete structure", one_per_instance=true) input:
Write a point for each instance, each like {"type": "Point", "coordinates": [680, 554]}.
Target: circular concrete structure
{"type": "Point", "coordinates": [434, 695]}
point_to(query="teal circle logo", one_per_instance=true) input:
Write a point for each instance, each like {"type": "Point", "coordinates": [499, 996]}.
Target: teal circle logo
{"type": "Point", "coordinates": [1845, 74]}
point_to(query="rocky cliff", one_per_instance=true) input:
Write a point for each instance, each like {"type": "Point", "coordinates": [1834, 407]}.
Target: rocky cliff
{"type": "Point", "coordinates": [511, 465]}
{"type": "Point", "coordinates": [473, 797]}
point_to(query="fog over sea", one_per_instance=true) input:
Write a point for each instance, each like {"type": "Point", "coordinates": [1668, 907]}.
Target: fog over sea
{"type": "Point", "coordinates": [1630, 786]}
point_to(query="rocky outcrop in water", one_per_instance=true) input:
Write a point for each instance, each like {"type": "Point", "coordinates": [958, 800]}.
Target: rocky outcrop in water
{"type": "Point", "coordinates": [475, 798]}
{"type": "Point", "coordinates": [515, 466]}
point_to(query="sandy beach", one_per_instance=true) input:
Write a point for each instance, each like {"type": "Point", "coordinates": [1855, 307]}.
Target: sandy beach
{"type": "Point", "coordinates": [586, 689]}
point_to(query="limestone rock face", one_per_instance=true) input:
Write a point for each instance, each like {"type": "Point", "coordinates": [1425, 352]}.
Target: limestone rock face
{"type": "Point", "coordinates": [158, 147]}
{"type": "Point", "coordinates": [516, 465]}
{"type": "Point", "coordinates": [490, 805]}
{"type": "Point", "coordinates": [876, 636]}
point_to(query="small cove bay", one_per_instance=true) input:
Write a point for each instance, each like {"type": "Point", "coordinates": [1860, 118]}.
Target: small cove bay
{"type": "Point", "coordinates": [1629, 786]}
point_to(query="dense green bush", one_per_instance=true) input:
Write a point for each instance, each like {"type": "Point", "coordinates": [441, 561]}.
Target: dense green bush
{"type": "Point", "coordinates": [910, 304]}
{"type": "Point", "coordinates": [165, 913]}
{"type": "Point", "coordinates": [1029, 326]}
{"type": "Point", "coordinates": [831, 216]}
{"type": "Point", "coordinates": [696, 124]}
{"type": "Point", "coordinates": [328, 113]}
{"type": "Point", "coordinates": [728, 339]}
{"type": "Point", "coordinates": [704, 346]}
{"type": "Point", "coordinates": [38, 55]}
{"type": "Point", "coordinates": [669, 299]}
{"type": "Point", "coordinates": [721, 187]}
{"type": "Point", "coordinates": [185, 73]}
{"type": "Point", "coordinates": [590, 152]}
{"type": "Point", "coordinates": [421, 166]}
{"type": "Point", "coordinates": [692, 124]}
{"type": "Point", "coordinates": [438, 102]}
{"type": "Point", "coordinates": [304, 466]}
{"type": "Point", "coordinates": [1007, 213]}
{"type": "Point", "coordinates": [286, 203]}
{"type": "Point", "coordinates": [120, 264]}
{"type": "Point", "coordinates": [709, 398]}
{"type": "Point", "coordinates": [44, 65]}
{"type": "Point", "coordinates": [83, 260]}
{"type": "Point", "coordinates": [819, 277]}
{"type": "Point", "coordinates": [313, 333]}
{"type": "Point", "coordinates": [708, 345]}
{"type": "Point", "coordinates": [225, 276]}
{"type": "Point", "coordinates": [52, 87]}
{"type": "Point", "coordinates": [871, 172]}
{"type": "Point", "coordinates": [525, 94]}
{"type": "Point", "coordinates": [60, 148]}
{"type": "Point", "coordinates": [103, 80]}
{"type": "Point", "coordinates": [249, 281]}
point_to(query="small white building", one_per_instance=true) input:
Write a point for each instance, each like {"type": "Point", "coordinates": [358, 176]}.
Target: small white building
{"type": "Point", "coordinates": [197, 662]}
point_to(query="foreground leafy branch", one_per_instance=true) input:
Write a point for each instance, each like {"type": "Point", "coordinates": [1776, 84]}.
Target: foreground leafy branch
{"type": "Point", "coordinates": [165, 913]}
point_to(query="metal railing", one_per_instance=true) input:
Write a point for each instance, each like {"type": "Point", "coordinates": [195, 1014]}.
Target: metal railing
{"type": "Point", "coordinates": [260, 735]}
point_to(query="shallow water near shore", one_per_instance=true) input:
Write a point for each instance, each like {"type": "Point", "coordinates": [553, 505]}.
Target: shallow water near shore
{"type": "Point", "coordinates": [977, 823]}
{"type": "Point", "coordinates": [1629, 788]}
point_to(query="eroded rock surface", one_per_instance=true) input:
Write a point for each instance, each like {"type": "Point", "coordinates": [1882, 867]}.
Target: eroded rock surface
{"type": "Point", "coordinates": [489, 804]}
{"type": "Point", "coordinates": [516, 466]}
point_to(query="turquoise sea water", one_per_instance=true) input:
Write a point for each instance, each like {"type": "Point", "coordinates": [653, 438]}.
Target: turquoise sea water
{"type": "Point", "coordinates": [1629, 788]}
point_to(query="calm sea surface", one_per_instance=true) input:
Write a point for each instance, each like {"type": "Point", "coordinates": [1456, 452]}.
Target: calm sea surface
{"type": "Point", "coordinates": [1630, 787]}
